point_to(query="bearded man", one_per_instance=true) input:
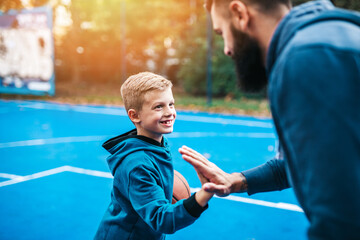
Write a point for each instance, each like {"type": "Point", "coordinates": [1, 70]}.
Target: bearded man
{"type": "Point", "coordinates": [308, 57]}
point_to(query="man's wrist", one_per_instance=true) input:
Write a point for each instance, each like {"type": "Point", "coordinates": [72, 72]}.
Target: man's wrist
{"type": "Point", "coordinates": [239, 183]}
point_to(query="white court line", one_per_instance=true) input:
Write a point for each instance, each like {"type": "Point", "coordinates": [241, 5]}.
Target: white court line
{"type": "Point", "coordinates": [9, 176]}
{"type": "Point", "coordinates": [89, 172]}
{"type": "Point", "coordinates": [37, 142]}
{"type": "Point", "coordinates": [284, 206]}
{"type": "Point", "coordinates": [50, 172]}
{"type": "Point", "coordinates": [122, 112]}
{"type": "Point", "coordinates": [280, 205]}
{"type": "Point", "coordinates": [33, 176]}
{"type": "Point", "coordinates": [75, 108]}
{"type": "Point", "coordinates": [224, 121]}
{"type": "Point", "coordinates": [220, 134]}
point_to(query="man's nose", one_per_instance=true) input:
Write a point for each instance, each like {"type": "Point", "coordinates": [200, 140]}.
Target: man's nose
{"type": "Point", "coordinates": [227, 51]}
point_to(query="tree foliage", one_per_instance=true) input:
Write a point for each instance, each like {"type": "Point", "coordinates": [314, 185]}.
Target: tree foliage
{"type": "Point", "coordinates": [147, 25]}
{"type": "Point", "coordinates": [166, 37]}
{"type": "Point", "coordinates": [193, 53]}
{"type": "Point", "coordinates": [192, 72]}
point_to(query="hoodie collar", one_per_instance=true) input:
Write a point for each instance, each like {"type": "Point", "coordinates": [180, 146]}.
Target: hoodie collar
{"type": "Point", "coordinates": [298, 17]}
{"type": "Point", "coordinates": [130, 134]}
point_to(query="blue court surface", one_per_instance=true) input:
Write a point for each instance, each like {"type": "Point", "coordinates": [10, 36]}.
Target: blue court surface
{"type": "Point", "coordinates": [55, 183]}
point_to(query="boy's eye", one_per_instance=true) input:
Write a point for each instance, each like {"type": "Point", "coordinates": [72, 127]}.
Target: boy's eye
{"type": "Point", "coordinates": [158, 107]}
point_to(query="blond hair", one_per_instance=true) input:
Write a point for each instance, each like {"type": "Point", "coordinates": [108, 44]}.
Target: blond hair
{"type": "Point", "coordinates": [135, 87]}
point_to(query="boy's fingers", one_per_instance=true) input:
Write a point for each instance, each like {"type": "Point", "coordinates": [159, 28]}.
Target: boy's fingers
{"type": "Point", "coordinates": [196, 153]}
{"type": "Point", "coordinates": [190, 152]}
{"type": "Point", "coordinates": [199, 166]}
{"type": "Point", "coordinates": [195, 160]}
{"type": "Point", "coordinates": [219, 190]}
{"type": "Point", "coordinates": [202, 178]}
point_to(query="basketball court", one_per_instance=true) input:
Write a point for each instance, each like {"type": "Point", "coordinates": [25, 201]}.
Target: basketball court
{"type": "Point", "coordinates": [55, 183]}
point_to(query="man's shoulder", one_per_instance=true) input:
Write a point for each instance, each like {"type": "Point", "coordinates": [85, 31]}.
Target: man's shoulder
{"type": "Point", "coordinates": [332, 34]}
{"type": "Point", "coordinates": [321, 40]}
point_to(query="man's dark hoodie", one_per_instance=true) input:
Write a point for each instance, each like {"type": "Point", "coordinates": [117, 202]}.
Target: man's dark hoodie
{"type": "Point", "coordinates": [313, 65]}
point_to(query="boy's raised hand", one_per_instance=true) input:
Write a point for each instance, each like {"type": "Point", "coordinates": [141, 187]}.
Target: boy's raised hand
{"type": "Point", "coordinates": [214, 179]}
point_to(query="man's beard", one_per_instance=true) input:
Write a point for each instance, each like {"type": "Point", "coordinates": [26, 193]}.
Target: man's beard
{"type": "Point", "coordinates": [249, 64]}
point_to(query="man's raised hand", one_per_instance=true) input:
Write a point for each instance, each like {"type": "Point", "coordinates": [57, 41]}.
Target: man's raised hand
{"type": "Point", "coordinates": [214, 179]}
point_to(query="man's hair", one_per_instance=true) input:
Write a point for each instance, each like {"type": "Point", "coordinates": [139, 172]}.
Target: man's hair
{"type": "Point", "coordinates": [136, 86]}
{"type": "Point", "coordinates": [265, 5]}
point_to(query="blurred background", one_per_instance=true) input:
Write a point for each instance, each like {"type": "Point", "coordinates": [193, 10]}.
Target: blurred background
{"type": "Point", "coordinates": [99, 43]}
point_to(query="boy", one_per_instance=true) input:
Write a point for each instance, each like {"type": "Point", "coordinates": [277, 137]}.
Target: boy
{"type": "Point", "coordinates": [142, 167]}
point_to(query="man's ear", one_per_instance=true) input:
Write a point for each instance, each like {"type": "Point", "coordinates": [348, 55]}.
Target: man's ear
{"type": "Point", "coordinates": [239, 15]}
{"type": "Point", "coordinates": [133, 115]}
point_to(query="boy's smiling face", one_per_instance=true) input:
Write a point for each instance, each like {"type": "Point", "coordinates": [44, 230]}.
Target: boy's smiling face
{"type": "Point", "coordinates": [157, 115]}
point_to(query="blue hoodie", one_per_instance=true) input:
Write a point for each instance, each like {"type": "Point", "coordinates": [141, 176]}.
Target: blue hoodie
{"type": "Point", "coordinates": [313, 65]}
{"type": "Point", "coordinates": [141, 198]}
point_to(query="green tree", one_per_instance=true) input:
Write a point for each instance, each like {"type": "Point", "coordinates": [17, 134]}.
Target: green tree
{"type": "Point", "coordinates": [192, 53]}
{"type": "Point", "coordinates": [192, 71]}
{"type": "Point", "coordinates": [91, 48]}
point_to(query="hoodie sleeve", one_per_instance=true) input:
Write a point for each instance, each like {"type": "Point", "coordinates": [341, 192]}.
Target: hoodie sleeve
{"type": "Point", "coordinates": [269, 176]}
{"type": "Point", "coordinates": [149, 201]}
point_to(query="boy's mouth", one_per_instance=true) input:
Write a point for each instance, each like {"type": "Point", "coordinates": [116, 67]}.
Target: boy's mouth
{"type": "Point", "coordinates": [167, 122]}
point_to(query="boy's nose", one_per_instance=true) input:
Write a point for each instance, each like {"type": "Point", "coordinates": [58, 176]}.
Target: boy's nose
{"type": "Point", "coordinates": [169, 111]}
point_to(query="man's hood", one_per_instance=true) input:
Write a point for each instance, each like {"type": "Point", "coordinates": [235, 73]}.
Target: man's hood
{"type": "Point", "coordinates": [121, 146]}
{"type": "Point", "coordinates": [300, 17]}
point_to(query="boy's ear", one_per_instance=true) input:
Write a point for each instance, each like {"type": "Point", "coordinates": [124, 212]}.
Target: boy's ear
{"type": "Point", "coordinates": [133, 115]}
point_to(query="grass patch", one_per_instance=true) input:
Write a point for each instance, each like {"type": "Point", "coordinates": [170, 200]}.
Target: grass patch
{"type": "Point", "coordinates": [243, 106]}
{"type": "Point", "coordinates": [108, 94]}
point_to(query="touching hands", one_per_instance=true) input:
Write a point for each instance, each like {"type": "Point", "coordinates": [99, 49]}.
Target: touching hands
{"type": "Point", "coordinates": [212, 178]}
